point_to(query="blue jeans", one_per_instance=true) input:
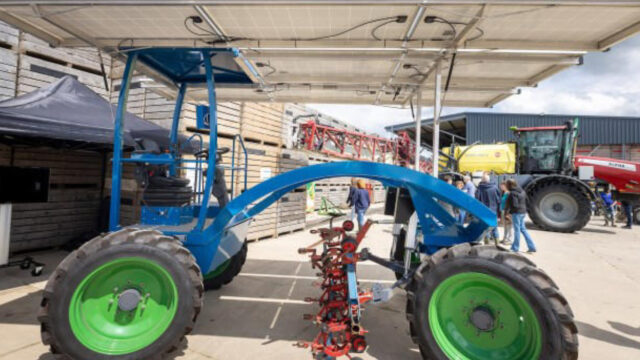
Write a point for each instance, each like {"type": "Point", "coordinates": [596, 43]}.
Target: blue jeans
{"type": "Point", "coordinates": [360, 215]}
{"type": "Point", "coordinates": [519, 227]}
{"type": "Point", "coordinates": [628, 210]}
{"type": "Point", "coordinates": [461, 216]}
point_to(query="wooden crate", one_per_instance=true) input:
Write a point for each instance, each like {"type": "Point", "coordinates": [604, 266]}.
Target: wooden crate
{"type": "Point", "coordinates": [73, 204]}
{"type": "Point", "coordinates": [291, 212]}
{"type": "Point", "coordinates": [5, 155]}
{"type": "Point", "coordinates": [130, 194]}
{"type": "Point", "coordinates": [262, 123]}
{"type": "Point", "coordinates": [9, 38]}
{"type": "Point", "coordinates": [291, 207]}
{"type": "Point", "coordinates": [40, 65]}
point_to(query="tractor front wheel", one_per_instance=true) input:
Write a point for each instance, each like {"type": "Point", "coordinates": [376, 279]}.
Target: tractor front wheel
{"type": "Point", "coordinates": [479, 302]}
{"type": "Point", "coordinates": [130, 294]}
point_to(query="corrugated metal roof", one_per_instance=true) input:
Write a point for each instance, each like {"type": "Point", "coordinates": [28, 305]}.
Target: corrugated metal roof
{"type": "Point", "coordinates": [594, 130]}
{"type": "Point", "coordinates": [487, 127]}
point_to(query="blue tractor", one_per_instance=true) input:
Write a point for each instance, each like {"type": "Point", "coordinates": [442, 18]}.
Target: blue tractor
{"type": "Point", "coordinates": [135, 292]}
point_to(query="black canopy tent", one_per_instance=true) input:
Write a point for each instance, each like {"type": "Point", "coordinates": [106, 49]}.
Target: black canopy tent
{"type": "Point", "coordinates": [67, 111]}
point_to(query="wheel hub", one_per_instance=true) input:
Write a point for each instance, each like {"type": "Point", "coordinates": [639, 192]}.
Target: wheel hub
{"type": "Point", "coordinates": [482, 318]}
{"type": "Point", "coordinates": [129, 300]}
{"type": "Point", "coordinates": [123, 305]}
{"type": "Point", "coordinates": [557, 207]}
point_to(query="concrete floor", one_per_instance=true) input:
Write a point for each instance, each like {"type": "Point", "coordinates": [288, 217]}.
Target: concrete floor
{"type": "Point", "coordinates": [259, 315]}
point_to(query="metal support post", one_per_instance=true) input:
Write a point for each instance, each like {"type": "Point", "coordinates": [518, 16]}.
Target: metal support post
{"type": "Point", "coordinates": [437, 99]}
{"type": "Point", "coordinates": [418, 120]}
{"type": "Point", "coordinates": [174, 127]}
{"type": "Point", "coordinates": [213, 140]}
{"type": "Point", "coordinates": [118, 129]}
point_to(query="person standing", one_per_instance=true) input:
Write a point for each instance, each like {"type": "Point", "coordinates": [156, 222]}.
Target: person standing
{"type": "Point", "coordinates": [468, 188]}
{"type": "Point", "coordinates": [607, 201]}
{"type": "Point", "coordinates": [351, 197]}
{"type": "Point", "coordinates": [516, 205]}
{"type": "Point", "coordinates": [361, 202]}
{"type": "Point", "coordinates": [445, 205]}
{"type": "Point", "coordinates": [488, 194]}
{"type": "Point", "coordinates": [507, 224]}
{"type": "Point", "coordinates": [460, 214]}
{"type": "Point", "coordinates": [628, 210]}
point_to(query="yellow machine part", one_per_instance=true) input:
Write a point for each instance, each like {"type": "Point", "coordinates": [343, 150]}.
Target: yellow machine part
{"type": "Point", "coordinates": [498, 158]}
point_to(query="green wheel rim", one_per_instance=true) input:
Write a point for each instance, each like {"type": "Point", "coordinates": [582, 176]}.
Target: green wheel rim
{"type": "Point", "coordinates": [219, 270]}
{"type": "Point", "coordinates": [97, 319]}
{"type": "Point", "coordinates": [478, 316]}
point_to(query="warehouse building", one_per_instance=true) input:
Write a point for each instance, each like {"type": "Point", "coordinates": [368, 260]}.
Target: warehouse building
{"type": "Point", "coordinates": [616, 137]}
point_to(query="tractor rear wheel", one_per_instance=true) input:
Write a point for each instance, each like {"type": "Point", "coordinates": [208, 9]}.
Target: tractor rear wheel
{"type": "Point", "coordinates": [130, 294]}
{"type": "Point", "coordinates": [559, 207]}
{"type": "Point", "coordinates": [225, 272]}
{"type": "Point", "coordinates": [480, 302]}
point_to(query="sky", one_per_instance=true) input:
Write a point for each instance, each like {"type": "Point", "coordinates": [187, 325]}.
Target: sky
{"type": "Point", "coordinates": [608, 83]}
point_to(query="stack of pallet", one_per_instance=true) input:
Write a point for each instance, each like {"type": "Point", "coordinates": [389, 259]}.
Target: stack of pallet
{"type": "Point", "coordinates": [73, 204]}
{"type": "Point", "coordinates": [291, 207]}
{"type": "Point", "coordinates": [8, 60]}
{"type": "Point", "coordinates": [73, 207]}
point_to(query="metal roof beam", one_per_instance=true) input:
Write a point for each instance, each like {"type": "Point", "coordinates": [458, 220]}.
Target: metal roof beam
{"type": "Point", "coordinates": [319, 2]}
{"type": "Point", "coordinates": [478, 82]}
{"type": "Point", "coordinates": [415, 58]}
{"type": "Point", "coordinates": [619, 36]}
{"type": "Point", "coordinates": [551, 70]}
{"type": "Point", "coordinates": [422, 46]}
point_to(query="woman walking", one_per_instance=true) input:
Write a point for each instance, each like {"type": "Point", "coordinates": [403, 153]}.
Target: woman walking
{"type": "Point", "coordinates": [507, 224]}
{"type": "Point", "coordinates": [517, 206]}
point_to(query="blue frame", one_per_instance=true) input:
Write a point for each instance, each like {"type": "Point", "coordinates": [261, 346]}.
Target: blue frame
{"type": "Point", "coordinates": [438, 226]}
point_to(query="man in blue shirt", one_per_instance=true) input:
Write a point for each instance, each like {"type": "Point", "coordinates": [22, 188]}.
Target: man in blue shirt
{"type": "Point", "coordinates": [468, 188]}
{"type": "Point", "coordinates": [361, 202]}
{"type": "Point", "coordinates": [488, 194]}
{"type": "Point", "coordinates": [608, 207]}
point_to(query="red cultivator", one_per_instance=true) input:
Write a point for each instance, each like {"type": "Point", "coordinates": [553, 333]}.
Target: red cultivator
{"type": "Point", "coordinates": [341, 300]}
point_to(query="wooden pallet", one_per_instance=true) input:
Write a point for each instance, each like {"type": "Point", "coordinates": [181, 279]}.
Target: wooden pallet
{"type": "Point", "coordinates": [262, 123]}
{"type": "Point", "coordinates": [73, 204]}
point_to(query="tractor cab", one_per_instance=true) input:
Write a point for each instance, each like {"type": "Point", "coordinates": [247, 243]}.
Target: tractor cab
{"type": "Point", "coordinates": [547, 149]}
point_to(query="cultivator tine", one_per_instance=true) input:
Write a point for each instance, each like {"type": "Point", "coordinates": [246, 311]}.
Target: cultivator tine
{"type": "Point", "coordinates": [341, 301]}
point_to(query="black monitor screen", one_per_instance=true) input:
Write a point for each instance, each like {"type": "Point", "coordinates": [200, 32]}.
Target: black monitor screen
{"type": "Point", "coordinates": [23, 184]}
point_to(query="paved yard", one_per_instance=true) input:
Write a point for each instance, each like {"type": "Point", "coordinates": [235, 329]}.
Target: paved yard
{"type": "Point", "coordinates": [259, 315]}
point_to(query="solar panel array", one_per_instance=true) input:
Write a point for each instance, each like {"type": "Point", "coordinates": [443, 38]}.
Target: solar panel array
{"type": "Point", "coordinates": [305, 51]}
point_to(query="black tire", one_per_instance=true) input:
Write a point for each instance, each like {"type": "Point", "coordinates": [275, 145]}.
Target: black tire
{"type": "Point", "coordinates": [166, 251]}
{"type": "Point", "coordinates": [636, 215]}
{"type": "Point", "coordinates": [559, 332]}
{"type": "Point", "coordinates": [233, 269]}
{"type": "Point", "coordinates": [164, 182]}
{"type": "Point", "coordinates": [564, 191]}
{"type": "Point", "coordinates": [171, 196]}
